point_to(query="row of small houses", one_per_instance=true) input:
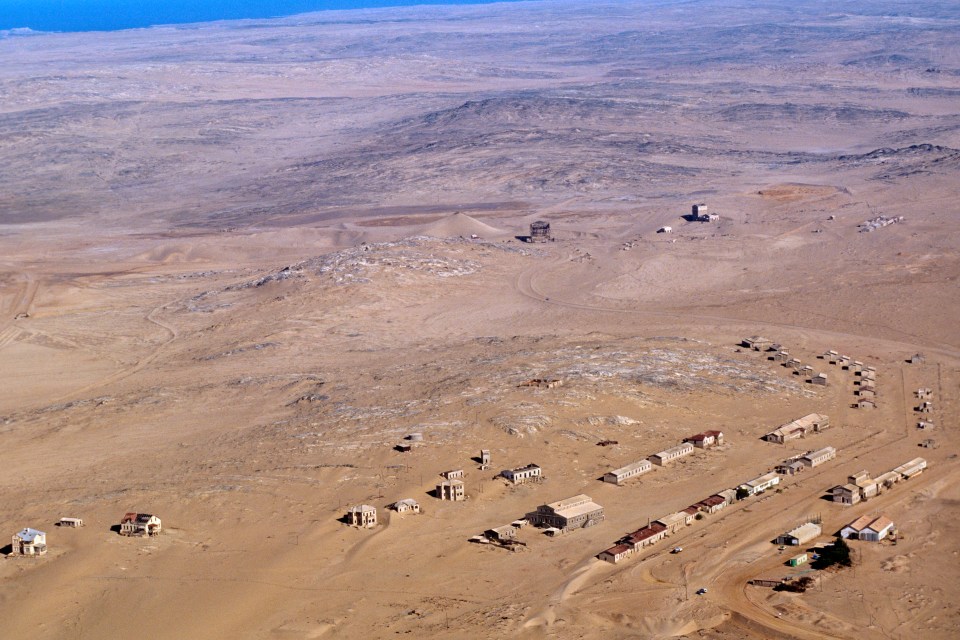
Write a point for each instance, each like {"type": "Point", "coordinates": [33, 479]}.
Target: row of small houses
{"type": "Point", "coordinates": [704, 440]}
{"type": "Point", "coordinates": [865, 378]}
{"type": "Point", "coordinates": [778, 353]}
{"type": "Point", "coordinates": [33, 542]}
{"type": "Point", "coordinates": [662, 527]}
{"type": "Point", "coordinates": [861, 486]}
{"type": "Point", "coordinates": [452, 488]}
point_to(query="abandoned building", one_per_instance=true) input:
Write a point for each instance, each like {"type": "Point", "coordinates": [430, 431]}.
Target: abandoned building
{"type": "Point", "coordinates": [542, 383]}
{"type": "Point", "coordinates": [706, 439]}
{"type": "Point", "coordinates": [810, 423]}
{"type": "Point", "coordinates": [781, 356]}
{"type": "Point", "coordinates": [73, 523]}
{"type": "Point", "coordinates": [801, 535]}
{"type": "Point", "coordinates": [819, 379]}
{"type": "Point", "coordinates": [451, 490]}
{"type": "Point", "coordinates": [913, 468]}
{"type": "Point", "coordinates": [712, 504]}
{"type": "Point", "coordinates": [675, 521]}
{"type": "Point", "coordinates": [866, 403]}
{"type": "Point", "coordinates": [577, 512]}
{"type": "Point", "coordinates": [501, 534]}
{"type": "Point", "coordinates": [673, 453]}
{"type": "Point", "coordinates": [484, 457]}
{"type": "Point", "coordinates": [729, 495]}
{"type": "Point", "coordinates": [622, 474]}
{"type": "Point", "coordinates": [699, 210]}
{"type": "Point", "coordinates": [615, 553]}
{"type": "Point", "coordinates": [793, 363]}
{"type": "Point", "coordinates": [363, 516]}
{"type": "Point", "coordinates": [453, 474]}
{"type": "Point", "coordinates": [540, 231]}
{"type": "Point", "coordinates": [761, 484]}
{"type": "Point", "coordinates": [29, 542]}
{"type": "Point", "coordinates": [818, 457]}
{"type": "Point", "coordinates": [407, 505]}
{"type": "Point", "coordinates": [522, 474]}
{"type": "Point", "coordinates": [917, 358]}
{"type": "Point", "coordinates": [790, 467]}
{"type": "Point", "coordinates": [923, 392]}
{"type": "Point", "coordinates": [757, 343]}
{"type": "Point", "coordinates": [645, 536]}
{"type": "Point", "coordinates": [869, 528]}
{"type": "Point", "coordinates": [848, 494]}
{"type": "Point", "coordinates": [925, 407]}
{"type": "Point", "coordinates": [139, 524]}
{"type": "Point", "coordinates": [665, 230]}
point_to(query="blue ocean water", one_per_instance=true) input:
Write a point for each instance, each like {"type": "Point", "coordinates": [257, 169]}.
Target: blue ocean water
{"type": "Point", "coordinates": [110, 15]}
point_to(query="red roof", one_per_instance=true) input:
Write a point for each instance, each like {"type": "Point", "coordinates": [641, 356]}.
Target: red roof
{"type": "Point", "coordinates": [715, 434]}
{"type": "Point", "coordinates": [646, 532]}
{"type": "Point", "coordinates": [618, 549]}
{"type": "Point", "coordinates": [692, 509]}
{"type": "Point", "coordinates": [713, 501]}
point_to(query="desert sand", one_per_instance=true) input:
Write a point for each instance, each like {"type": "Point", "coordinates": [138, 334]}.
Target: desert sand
{"type": "Point", "coordinates": [241, 261]}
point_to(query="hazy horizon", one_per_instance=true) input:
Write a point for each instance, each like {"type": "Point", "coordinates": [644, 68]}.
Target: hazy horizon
{"type": "Point", "coordinates": [115, 15]}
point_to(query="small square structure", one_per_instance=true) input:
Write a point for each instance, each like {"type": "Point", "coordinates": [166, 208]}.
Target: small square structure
{"type": "Point", "coordinates": [407, 505]}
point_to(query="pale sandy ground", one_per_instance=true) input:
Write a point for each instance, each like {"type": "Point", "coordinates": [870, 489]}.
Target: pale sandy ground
{"type": "Point", "coordinates": [241, 362]}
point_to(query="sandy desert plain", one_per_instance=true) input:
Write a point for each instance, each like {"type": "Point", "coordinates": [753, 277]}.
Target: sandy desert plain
{"type": "Point", "coordinates": [240, 261]}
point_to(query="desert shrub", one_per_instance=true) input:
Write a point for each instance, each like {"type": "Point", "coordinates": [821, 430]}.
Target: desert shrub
{"type": "Point", "coordinates": [836, 554]}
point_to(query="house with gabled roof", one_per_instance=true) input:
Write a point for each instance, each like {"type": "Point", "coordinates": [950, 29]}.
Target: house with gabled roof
{"type": "Point", "coordinates": [29, 542]}
{"type": "Point", "coordinates": [869, 528]}
{"type": "Point", "coordinates": [140, 524]}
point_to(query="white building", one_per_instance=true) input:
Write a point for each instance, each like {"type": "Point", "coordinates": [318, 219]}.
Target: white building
{"type": "Point", "coordinates": [522, 474]}
{"type": "Point", "coordinates": [29, 542]}
{"type": "Point", "coordinates": [869, 528]}
{"type": "Point", "coordinates": [673, 453]}
{"type": "Point", "coordinates": [801, 535]}
{"type": "Point", "coordinates": [761, 484]}
{"type": "Point", "coordinates": [140, 524]}
{"type": "Point", "coordinates": [617, 476]}
{"type": "Point", "coordinates": [818, 457]}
